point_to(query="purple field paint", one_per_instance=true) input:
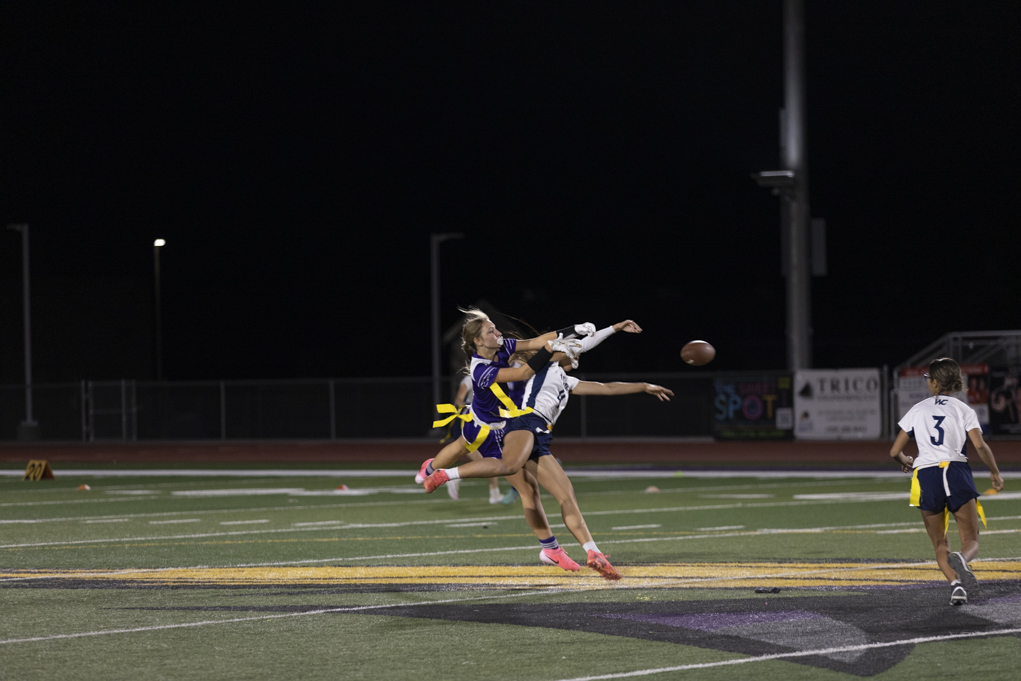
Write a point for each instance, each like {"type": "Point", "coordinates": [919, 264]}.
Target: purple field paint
{"type": "Point", "coordinates": [1005, 599]}
{"type": "Point", "coordinates": [711, 621]}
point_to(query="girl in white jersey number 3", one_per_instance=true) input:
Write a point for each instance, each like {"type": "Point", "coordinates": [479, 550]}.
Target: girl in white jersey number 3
{"type": "Point", "coordinates": [941, 482]}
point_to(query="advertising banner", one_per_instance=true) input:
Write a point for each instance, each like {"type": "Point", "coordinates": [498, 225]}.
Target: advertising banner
{"type": "Point", "coordinates": [753, 408]}
{"type": "Point", "coordinates": [837, 404]}
{"type": "Point", "coordinates": [912, 389]}
{"type": "Point", "coordinates": [1004, 403]}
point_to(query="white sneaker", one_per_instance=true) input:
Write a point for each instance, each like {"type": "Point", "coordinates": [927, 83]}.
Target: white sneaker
{"type": "Point", "coordinates": [495, 496]}
{"type": "Point", "coordinates": [454, 489]}
{"type": "Point", "coordinates": [958, 596]}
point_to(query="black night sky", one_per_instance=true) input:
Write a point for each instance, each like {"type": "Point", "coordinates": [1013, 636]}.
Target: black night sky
{"type": "Point", "coordinates": [596, 156]}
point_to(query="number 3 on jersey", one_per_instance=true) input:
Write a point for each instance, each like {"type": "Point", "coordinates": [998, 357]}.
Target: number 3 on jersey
{"type": "Point", "coordinates": [938, 420]}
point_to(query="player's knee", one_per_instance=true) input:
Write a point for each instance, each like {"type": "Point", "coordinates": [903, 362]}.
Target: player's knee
{"type": "Point", "coordinates": [511, 467]}
{"type": "Point", "coordinates": [507, 468]}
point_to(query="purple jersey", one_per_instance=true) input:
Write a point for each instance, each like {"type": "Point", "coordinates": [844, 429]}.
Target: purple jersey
{"type": "Point", "coordinates": [516, 389]}
{"type": "Point", "coordinates": [485, 404]}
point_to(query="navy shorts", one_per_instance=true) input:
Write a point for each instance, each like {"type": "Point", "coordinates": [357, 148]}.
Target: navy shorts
{"type": "Point", "coordinates": [491, 446]}
{"type": "Point", "coordinates": [937, 487]}
{"type": "Point", "coordinates": [537, 425]}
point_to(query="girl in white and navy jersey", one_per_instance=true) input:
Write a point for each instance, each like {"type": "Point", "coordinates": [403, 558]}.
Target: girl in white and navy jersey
{"type": "Point", "coordinates": [546, 395]}
{"type": "Point", "coordinates": [941, 482]}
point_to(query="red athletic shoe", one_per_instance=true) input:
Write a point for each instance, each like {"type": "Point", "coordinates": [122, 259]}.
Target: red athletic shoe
{"type": "Point", "coordinates": [421, 476]}
{"type": "Point", "coordinates": [598, 562]}
{"type": "Point", "coordinates": [559, 558]}
{"type": "Point", "coordinates": [435, 480]}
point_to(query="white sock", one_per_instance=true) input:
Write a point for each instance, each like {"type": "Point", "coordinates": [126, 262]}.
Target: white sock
{"type": "Point", "coordinates": [452, 474]}
{"type": "Point", "coordinates": [590, 546]}
{"type": "Point", "coordinates": [956, 582]}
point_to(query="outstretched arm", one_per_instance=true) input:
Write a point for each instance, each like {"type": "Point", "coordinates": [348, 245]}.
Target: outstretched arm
{"type": "Point", "coordinates": [595, 388]}
{"type": "Point", "coordinates": [572, 331]}
{"type": "Point", "coordinates": [526, 371]}
{"type": "Point", "coordinates": [536, 343]}
{"type": "Point", "coordinates": [628, 326]}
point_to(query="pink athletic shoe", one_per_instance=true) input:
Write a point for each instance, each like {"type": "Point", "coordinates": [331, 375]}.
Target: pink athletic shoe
{"type": "Point", "coordinates": [435, 480]}
{"type": "Point", "coordinates": [598, 562]}
{"type": "Point", "coordinates": [559, 558]}
{"type": "Point", "coordinates": [420, 476]}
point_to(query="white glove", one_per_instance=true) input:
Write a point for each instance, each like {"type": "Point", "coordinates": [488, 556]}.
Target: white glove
{"type": "Point", "coordinates": [568, 346]}
{"type": "Point", "coordinates": [586, 329]}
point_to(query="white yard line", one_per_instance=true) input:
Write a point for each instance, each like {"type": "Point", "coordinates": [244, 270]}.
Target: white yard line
{"type": "Point", "coordinates": [163, 627]}
{"type": "Point", "coordinates": [571, 472]}
{"type": "Point", "coordinates": [643, 672]}
{"type": "Point", "coordinates": [491, 519]}
{"type": "Point", "coordinates": [102, 500]}
{"type": "Point", "coordinates": [801, 653]}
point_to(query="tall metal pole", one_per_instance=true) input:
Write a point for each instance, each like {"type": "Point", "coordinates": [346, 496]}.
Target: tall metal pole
{"type": "Point", "coordinates": [29, 426]}
{"type": "Point", "coordinates": [794, 157]}
{"type": "Point", "coordinates": [434, 260]}
{"type": "Point", "coordinates": [156, 246]}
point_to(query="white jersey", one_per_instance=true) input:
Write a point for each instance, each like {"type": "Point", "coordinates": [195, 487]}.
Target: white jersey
{"type": "Point", "coordinates": [467, 381]}
{"type": "Point", "coordinates": [940, 425]}
{"type": "Point", "coordinates": [547, 392]}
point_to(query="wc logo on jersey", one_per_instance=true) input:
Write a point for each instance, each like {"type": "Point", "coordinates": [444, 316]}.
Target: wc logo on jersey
{"type": "Point", "coordinates": [939, 401]}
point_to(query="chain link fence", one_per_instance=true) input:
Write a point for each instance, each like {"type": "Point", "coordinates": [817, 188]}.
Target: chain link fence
{"type": "Point", "coordinates": [322, 409]}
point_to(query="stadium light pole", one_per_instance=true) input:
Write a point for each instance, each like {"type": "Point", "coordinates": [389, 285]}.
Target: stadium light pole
{"type": "Point", "coordinates": [29, 428]}
{"type": "Point", "coordinates": [434, 258]}
{"type": "Point", "coordinates": [156, 246]}
{"type": "Point", "coordinates": [791, 185]}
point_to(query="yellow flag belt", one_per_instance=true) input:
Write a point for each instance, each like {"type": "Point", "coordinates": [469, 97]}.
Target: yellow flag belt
{"type": "Point", "coordinates": [509, 411]}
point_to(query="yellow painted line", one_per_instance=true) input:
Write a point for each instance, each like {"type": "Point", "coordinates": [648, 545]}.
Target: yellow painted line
{"type": "Point", "coordinates": [664, 575]}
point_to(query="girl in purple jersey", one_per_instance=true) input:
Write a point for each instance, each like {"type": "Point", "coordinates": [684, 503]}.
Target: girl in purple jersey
{"type": "Point", "coordinates": [488, 353]}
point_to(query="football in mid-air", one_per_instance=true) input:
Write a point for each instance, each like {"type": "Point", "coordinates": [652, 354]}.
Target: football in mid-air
{"type": "Point", "coordinates": [697, 353]}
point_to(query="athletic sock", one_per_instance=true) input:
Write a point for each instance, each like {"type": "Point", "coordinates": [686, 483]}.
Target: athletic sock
{"type": "Point", "coordinates": [429, 470]}
{"type": "Point", "coordinates": [550, 543]}
{"type": "Point", "coordinates": [956, 582]}
{"type": "Point", "coordinates": [591, 546]}
{"type": "Point", "coordinates": [452, 474]}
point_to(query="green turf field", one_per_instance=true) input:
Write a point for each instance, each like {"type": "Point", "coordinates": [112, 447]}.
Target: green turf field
{"type": "Point", "coordinates": [276, 575]}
